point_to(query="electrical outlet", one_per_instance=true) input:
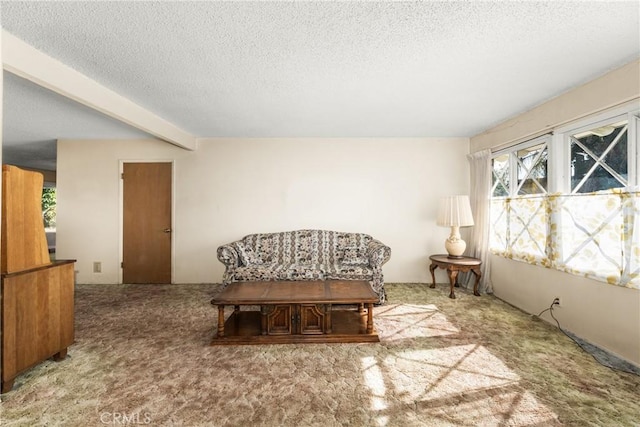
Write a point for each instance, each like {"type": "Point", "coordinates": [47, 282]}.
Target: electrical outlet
{"type": "Point", "coordinates": [556, 302]}
{"type": "Point", "coordinates": [97, 267]}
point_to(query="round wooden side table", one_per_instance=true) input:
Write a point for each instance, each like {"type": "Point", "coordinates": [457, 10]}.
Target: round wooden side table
{"type": "Point", "coordinates": [453, 267]}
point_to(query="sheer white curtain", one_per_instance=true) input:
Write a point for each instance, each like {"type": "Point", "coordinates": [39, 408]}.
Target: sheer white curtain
{"type": "Point", "coordinates": [480, 198]}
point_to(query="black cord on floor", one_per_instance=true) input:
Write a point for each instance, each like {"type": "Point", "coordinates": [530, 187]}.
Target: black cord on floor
{"type": "Point", "coordinates": [550, 310]}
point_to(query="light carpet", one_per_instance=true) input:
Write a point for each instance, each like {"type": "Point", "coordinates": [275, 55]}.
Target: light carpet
{"type": "Point", "coordinates": [142, 357]}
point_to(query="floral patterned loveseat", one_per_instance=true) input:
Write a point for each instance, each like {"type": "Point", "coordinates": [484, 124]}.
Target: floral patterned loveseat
{"type": "Point", "coordinates": [306, 255]}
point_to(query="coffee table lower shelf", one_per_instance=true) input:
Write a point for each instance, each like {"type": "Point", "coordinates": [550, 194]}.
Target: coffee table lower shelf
{"type": "Point", "coordinates": [244, 327]}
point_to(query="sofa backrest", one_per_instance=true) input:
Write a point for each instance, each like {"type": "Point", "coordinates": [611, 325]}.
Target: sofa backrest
{"type": "Point", "coordinates": [308, 247]}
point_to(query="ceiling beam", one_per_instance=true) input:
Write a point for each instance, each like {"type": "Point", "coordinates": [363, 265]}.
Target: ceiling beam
{"type": "Point", "coordinates": [25, 61]}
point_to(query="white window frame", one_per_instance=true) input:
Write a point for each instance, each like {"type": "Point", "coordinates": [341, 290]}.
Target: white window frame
{"type": "Point", "coordinates": [559, 146]}
{"type": "Point", "coordinates": [559, 169]}
{"type": "Point", "coordinates": [562, 145]}
{"type": "Point", "coordinates": [513, 161]}
{"type": "Point", "coordinates": [515, 186]}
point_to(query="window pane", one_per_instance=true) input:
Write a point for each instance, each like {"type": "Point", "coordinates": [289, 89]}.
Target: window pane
{"type": "Point", "coordinates": [49, 208]}
{"type": "Point", "coordinates": [532, 170]}
{"type": "Point", "coordinates": [500, 176]}
{"type": "Point", "coordinates": [599, 159]}
{"type": "Point", "coordinates": [599, 180]}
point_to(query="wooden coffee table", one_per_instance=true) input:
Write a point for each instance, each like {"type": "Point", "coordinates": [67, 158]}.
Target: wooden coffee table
{"type": "Point", "coordinates": [296, 312]}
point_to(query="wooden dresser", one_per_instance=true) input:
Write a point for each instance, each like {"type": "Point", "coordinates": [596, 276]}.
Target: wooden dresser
{"type": "Point", "coordinates": [37, 295]}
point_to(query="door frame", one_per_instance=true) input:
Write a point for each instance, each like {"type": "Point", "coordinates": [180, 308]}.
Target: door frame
{"type": "Point", "coordinates": [121, 163]}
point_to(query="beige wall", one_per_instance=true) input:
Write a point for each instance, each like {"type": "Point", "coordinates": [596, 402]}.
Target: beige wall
{"type": "Point", "coordinates": [606, 315]}
{"type": "Point", "coordinates": [228, 188]}
{"type": "Point", "coordinates": [617, 87]}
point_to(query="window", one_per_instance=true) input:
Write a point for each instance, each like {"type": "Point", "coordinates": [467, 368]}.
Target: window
{"type": "Point", "coordinates": [532, 169]}
{"type": "Point", "coordinates": [500, 165]}
{"type": "Point", "coordinates": [599, 159]}
{"type": "Point", "coordinates": [524, 165]}
{"type": "Point", "coordinates": [49, 208]}
{"type": "Point", "coordinates": [586, 220]}
{"type": "Point", "coordinates": [518, 213]}
{"type": "Point", "coordinates": [48, 202]}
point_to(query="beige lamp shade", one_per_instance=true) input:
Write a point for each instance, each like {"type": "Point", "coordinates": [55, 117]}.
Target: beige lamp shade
{"type": "Point", "coordinates": [455, 212]}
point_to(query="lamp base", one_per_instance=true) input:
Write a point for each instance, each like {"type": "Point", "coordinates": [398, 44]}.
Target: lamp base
{"type": "Point", "coordinates": [454, 245]}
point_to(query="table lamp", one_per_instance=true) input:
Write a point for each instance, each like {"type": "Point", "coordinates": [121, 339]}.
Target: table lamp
{"type": "Point", "coordinates": [455, 212]}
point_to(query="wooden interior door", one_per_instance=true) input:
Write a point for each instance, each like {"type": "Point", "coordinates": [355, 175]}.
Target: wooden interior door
{"type": "Point", "coordinates": [147, 230]}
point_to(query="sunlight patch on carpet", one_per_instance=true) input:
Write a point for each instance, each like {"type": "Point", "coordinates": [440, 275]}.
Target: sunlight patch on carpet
{"type": "Point", "coordinates": [401, 321]}
{"type": "Point", "coordinates": [467, 377]}
{"type": "Point", "coordinates": [374, 380]}
{"type": "Point", "coordinates": [446, 371]}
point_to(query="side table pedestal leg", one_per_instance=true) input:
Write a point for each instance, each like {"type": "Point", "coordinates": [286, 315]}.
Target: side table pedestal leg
{"type": "Point", "coordinates": [478, 274]}
{"type": "Point", "coordinates": [453, 275]}
{"type": "Point", "coordinates": [432, 268]}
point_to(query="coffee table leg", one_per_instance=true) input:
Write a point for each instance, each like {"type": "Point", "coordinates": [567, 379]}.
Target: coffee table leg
{"type": "Point", "coordinates": [264, 310]}
{"type": "Point", "coordinates": [369, 318]}
{"type": "Point", "coordinates": [220, 321]}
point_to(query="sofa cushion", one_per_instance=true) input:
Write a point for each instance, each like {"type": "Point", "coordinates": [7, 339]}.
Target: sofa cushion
{"type": "Point", "coordinates": [266, 247]}
{"type": "Point", "coordinates": [306, 272]}
{"type": "Point", "coordinates": [306, 246]}
{"type": "Point", "coordinates": [352, 256]}
{"type": "Point", "coordinates": [280, 272]}
{"type": "Point", "coordinates": [259, 272]}
{"type": "Point", "coordinates": [349, 272]}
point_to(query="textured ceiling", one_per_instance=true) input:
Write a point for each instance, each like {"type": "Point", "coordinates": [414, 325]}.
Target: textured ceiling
{"type": "Point", "coordinates": [321, 69]}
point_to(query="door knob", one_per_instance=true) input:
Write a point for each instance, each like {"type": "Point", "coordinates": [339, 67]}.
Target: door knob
{"type": "Point", "coordinates": [166, 230]}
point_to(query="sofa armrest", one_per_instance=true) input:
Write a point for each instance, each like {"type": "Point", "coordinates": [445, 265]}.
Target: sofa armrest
{"type": "Point", "coordinates": [378, 253]}
{"type": "Point", "coordinates": [228, 255]}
